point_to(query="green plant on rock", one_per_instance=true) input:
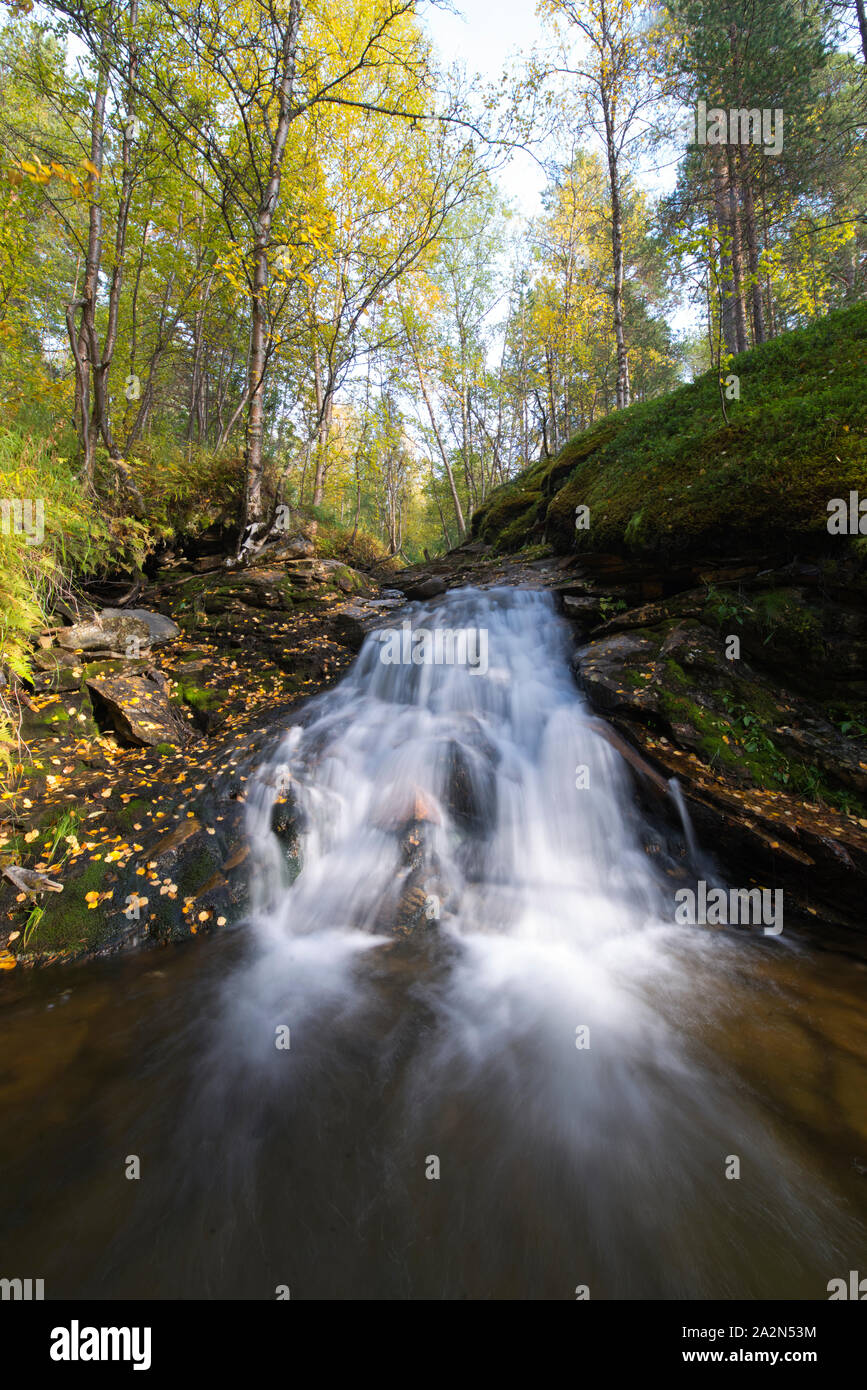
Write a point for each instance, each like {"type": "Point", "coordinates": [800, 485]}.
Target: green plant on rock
{"type": "Point", "coordinates": [723, 608]}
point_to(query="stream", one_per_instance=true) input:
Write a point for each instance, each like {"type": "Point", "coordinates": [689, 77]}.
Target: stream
{"type": "Point", "coordinates": [462, 1049]}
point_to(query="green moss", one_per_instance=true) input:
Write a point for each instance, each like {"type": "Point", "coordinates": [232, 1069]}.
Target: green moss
{"type": "Point", "coordinates": [506, 506]}
{"type": "Point", "coordinates": [790, 623]}
{"type": "Point", "coordinates": [520, 530]}
{"type": "Point", "coordinates": [343, 576]}
{"type": "Point", "coordinates": [109, 667]}
{"type": "Point", "coordinates": [134, 811]}
{"type": "Point", "coordinates": [195, 871]}
{"type": "Point", "coordinates": [738, 742]}
{"type": "Point", "coordinates": [676, 673]}
{"type": "Point", "coordinates": [670, 477]}
{"type": "Point", "coordinates": [634, 680]}
{"type": "Point", "coordinates": [69, 924]}
{"type": "Point", "coordinates": [198, 697]}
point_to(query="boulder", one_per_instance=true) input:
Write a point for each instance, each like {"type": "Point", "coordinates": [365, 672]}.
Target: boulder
{"type": "Point", "coordinates": [138, 710]}
{"type": "Point", "coordinates": [295, 547]}
{"type": "Point", "coordinates": [160, 628]}
{"type": "Point", "coordinates": [113, 634]}
{"type": "Point", "coordinates": [114, 629]}
{"type": "Point", "coordinates": [424, 588]}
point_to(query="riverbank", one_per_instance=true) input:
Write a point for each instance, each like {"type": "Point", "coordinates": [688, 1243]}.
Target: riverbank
{"type": "Point", "coordinates": [147, 838]}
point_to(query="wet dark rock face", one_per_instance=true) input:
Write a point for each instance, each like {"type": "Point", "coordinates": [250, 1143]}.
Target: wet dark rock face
{"type": "Point", "coordinates": [740, 690]}
{"type": "Point", "coordinates": [767, 734]}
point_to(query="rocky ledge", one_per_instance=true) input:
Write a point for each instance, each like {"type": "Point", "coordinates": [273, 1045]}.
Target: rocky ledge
{"type": "Point", "coordinates": [747, 684]}
{"type": "Point", "coordinates": [125, 824]}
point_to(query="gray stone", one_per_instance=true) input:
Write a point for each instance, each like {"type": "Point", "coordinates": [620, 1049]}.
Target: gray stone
{"type": "Point", "coordinates": [161, 628]}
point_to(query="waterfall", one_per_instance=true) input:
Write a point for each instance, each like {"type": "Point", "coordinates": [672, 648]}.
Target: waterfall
{"type": "Point", "coordinates": [461, 927]}
{"type": "Point", "coordinates": [683, 811]}
{"type": "Point", "coordinates": [443, 798]}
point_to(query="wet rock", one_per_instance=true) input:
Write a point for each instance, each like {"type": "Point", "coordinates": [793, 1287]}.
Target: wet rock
{"type": "Point", "coordinates": [758, 725]}
{"type": "Point", "coordinates": [417, 908]}
{"type": "Point", "coordinates": [582, 609]}
{"type": "Point", "coordinates": [60, 712]}
{"type": "Point", "coordinates": [817, 741]}
{"type": "Point", "coordinates": [470, 787]}
{"type": "Point", "coordinates": [424, 589]}
{"type": "Point", "coordinates": [350, 625]}
{"type": "Point", "coordinates": [138, 710]}
{"type": "Point", "coordinates": [617, 671]}
{"type": "Point", "coordinates": [686, 605]}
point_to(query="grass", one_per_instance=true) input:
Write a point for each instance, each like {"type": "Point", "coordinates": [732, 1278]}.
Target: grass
{"type": "Point", "coordinates": [64, 832]}
{"type": "Point", "coordinates": [669, 478]}
{"type": "Point", "coordinates": [61, 533]}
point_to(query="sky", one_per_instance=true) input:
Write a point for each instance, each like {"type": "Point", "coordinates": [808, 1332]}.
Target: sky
{"type": "Point", "coordinates": [485, 35]}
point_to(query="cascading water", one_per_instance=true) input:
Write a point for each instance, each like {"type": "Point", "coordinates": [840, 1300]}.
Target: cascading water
{"type": "Point", "coordinates": [521, 812]}
{"type": "Point", "coordinates": [465, 1050]}
{"type": "Point", "coordinates": [542, 1041]}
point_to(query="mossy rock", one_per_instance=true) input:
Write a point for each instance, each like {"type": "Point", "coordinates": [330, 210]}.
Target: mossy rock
{"type": "Point", "coordinates": [522, 531]}
{"type": "Point", "coordinates": [348, 580]}
{"type": "Point", "coordinates": [505, 507]}
{"type": "Point", "coordinates": [670, 478]}
{"type": "Point", "coordinates": [70, 925]}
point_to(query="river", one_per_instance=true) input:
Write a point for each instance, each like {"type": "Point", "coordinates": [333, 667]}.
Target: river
{"type": "Point", "coordinates": [466, 1052]}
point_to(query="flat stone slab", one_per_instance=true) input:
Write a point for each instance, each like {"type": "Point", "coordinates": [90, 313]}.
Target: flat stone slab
{"type": "Point", "coordinates": [139, 710]}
